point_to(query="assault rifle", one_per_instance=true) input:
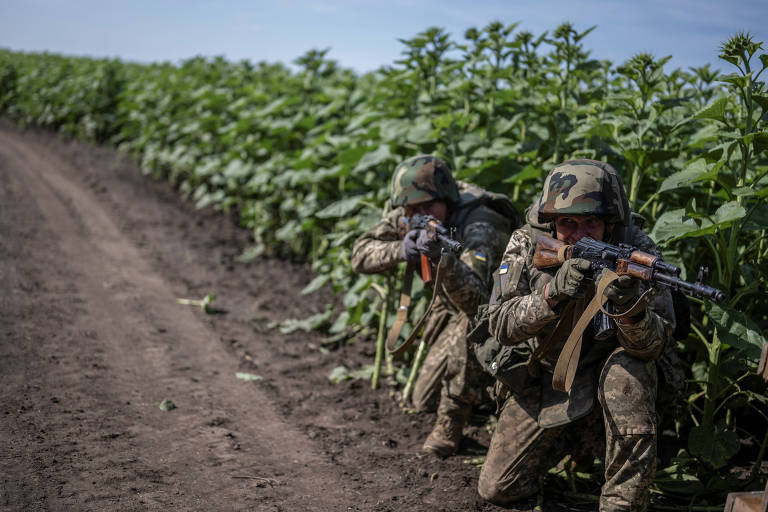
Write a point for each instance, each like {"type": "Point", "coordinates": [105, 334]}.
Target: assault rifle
{"type": "Point", "coordinates": [623, 259]}
{"type": "Point", "coordinates": [445, 237]}
{"type": "Point", "coordinates": [441, 234]}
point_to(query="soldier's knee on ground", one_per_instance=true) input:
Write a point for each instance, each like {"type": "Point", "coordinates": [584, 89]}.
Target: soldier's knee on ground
{"type": "Point", "coordinates": [493, 491]}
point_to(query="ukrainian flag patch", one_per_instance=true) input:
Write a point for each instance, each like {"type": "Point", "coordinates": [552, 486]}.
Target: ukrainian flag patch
{"type": "Point", "coordinates": [479, 256]}
{"type": "Point", "coordinates": [504, 268]}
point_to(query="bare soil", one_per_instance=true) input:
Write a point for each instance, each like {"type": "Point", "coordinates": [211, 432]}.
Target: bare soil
{"type": "Point", "coordinates": [93, 256]}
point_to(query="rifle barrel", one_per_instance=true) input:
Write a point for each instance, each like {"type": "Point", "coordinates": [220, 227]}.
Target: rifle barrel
{"type": "Point", "coordinates": [452, 244]}
{"type": "Point", "coordinates": [695, 289]}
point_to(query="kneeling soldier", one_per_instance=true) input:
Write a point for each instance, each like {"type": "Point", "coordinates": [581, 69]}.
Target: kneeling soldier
{"type": "Point", "coordinates": [538, 425]}
{"type": "Point", "coordinates": [450, 380]}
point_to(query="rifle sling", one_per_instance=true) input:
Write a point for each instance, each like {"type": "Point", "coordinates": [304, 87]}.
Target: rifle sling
{"type": "Point", "coordinates": [402, 313]}
{"type": "Point", "coordinates": [568, 361]}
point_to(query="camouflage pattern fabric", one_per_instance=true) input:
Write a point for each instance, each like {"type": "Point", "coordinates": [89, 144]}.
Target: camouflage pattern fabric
{"type": "Point", "coordinates": [584, 187]}
{"type": "Point", "coordinates": [449, 369]}
{"type": "Point", "coordinates": [420, 179]}
{"type": "Point", "coordinates": [521, 451]}
{"type": "Point", "coordinates": [450, 376]}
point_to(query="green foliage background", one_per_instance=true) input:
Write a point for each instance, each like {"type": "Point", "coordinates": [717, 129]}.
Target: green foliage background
{"type": "Point", "coordinates": [304, 158]}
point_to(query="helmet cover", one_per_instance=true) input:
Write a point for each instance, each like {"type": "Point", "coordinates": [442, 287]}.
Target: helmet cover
{"type": "Point", "coordinates": [584, 187]}
{"type": "Point", "coordinates": [420, 179]}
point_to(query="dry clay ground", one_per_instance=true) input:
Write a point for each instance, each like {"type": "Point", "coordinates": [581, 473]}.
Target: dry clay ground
{"type": "Point", "coordinates": [92, 258]}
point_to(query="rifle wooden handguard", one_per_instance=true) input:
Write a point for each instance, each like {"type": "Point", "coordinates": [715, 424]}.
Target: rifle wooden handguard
{"type": "Point", "coordinates": [630, 268]}
{"type": "Point", "coordinates": [550, 252]}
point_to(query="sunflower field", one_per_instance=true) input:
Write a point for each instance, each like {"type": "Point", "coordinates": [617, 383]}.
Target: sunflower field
{"type": "Point", "coordinates": [303, 156]}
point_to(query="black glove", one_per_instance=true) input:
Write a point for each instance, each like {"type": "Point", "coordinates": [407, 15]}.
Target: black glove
{"type": "Point", "coordinates": [569, 281]}
{"type": "Point", "coordinates": [417, 242]}
{"type": "Point", "coordinates": [428, 244]}
{"type": "Point", "coordinates": [623, 290]}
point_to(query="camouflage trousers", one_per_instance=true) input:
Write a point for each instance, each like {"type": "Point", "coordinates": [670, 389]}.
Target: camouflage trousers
{"type": "Point", "coordinates": [451, 380]}
{"type": "Point", "coordinates": [521, 452]}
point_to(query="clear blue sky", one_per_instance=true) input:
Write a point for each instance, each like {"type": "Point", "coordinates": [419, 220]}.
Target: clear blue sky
{"type": "Point", "coordinates": [362, 34]}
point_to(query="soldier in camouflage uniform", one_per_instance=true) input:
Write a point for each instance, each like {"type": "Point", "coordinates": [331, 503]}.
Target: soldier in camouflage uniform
{"type": "Point", "coordinates": [450, 379]}
{"type": "Point", "coordinates": [537, 425]}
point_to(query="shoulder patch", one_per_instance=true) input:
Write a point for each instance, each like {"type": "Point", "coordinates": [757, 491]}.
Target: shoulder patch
{"type": "Point", "coordinates": [479, 256]}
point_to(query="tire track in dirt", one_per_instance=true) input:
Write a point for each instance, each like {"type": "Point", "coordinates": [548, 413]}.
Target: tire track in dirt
{"type": "Point", "coordinates": [111, 345]}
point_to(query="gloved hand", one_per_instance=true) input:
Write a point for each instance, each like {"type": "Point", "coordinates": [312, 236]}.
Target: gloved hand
{"type": "Point", "coordinates": [569, 281]}
{"type": "Point", "coordinates": [417, 242]}
{"type": "Point", "coordinates": [623, 290]}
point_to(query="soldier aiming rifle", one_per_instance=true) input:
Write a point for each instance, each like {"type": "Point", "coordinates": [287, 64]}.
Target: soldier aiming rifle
{"type": "Point", "coordinates": [563, 386]}
{"type": "Point", "coordinates": [428, 206]}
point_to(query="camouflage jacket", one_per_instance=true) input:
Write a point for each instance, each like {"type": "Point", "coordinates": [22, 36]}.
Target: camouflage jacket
{"type": "Point", "coordinates": [465, 279]}
{"type": "Point", "coordinates": [519, 313]}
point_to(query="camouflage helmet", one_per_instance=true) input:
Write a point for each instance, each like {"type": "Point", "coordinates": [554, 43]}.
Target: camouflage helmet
{"type": "Point", "coordinates": [420, 179]}
{"type": "Point", "coordinates": [584, 187]}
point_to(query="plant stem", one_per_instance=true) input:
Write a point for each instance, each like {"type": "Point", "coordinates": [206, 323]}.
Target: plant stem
{"type": "Point", "coordinates": [380, 343]}
{"type": "Point", "coordinates": [713, 375]}
{"type": "Point", "coordinates": [421, 353]}
{"type": "Point", "coordinates": [634, 186]}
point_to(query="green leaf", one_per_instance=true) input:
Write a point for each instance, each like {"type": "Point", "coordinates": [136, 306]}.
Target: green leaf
{"type": "Point", "coordinates": [307, 324]}
{"type": "Point", "coordinates": [530, 172]}
{"type": "Point", "coordinates": [316, 284]}
{"type": "Point", "coordinates": [715, 110]}
{"type": "Point", "coordinates": [743, 192]}
{"type": "Point", "coordinates": [352, 156]}
{"type": "Point", "coordinates": [421, 132]}
{"type": "Point", "coordinates": [715, 444]}
{"type": "Point", "coordinates": [729, 212]}
{"type": "Point", "coordinates": [697, 171]}
{"type": "Point", "coordinates": [339, 374]}
{"type": "Point", "coordinates": [374, 158]}
{"type": "Point", "coordinates": [237, 169]}
{"type": "Point", "coordinates": [736, 329]}
{"type": "Point", "coordinates": [248, 376]}
{"type": "Point", "coordinates": [251, 253]}
{"type": "Point", "coordinates": [340, 208]}
{"type": "Point", "coordinates": [679, 480]}
{"type": "Point", "coordinates": [643, 157]}
{"type": "Point", "coordinates": [735, 79]}
{"type": "Point", "coordinates": [342, 373]}
{"type": "Point", "coordinates": [167, 405]}
{"type": "Point", "coordinates": [393, 130]}
{"type": "Point", "coordinates": [365, 372]}
{"type": "Point", "coordinates": [340, 323]}
{"type": "Point", "coordinates": [675, 224]}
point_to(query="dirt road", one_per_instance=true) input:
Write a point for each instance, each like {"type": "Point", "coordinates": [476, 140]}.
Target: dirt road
{"type": "Point", "coordinates": [92, 258]}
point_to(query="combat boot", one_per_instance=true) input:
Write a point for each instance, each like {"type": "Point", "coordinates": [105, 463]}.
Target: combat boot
{"type": "Point", "coordinates": [444, 439]}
